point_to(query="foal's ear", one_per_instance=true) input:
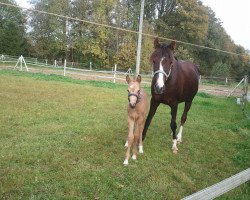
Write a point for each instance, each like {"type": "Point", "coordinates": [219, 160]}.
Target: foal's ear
{"type": "Point", "coordinates": [128, 79]}
{"type": "Point", "coordinates": [172, 45]}
{"type": "Point", "coordinates": [138, 79]}
{"type": "Point", "coordinates": [156, 43]}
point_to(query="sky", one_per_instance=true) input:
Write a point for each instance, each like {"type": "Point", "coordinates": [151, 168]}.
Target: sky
{"type": "Point", "coordinates": [235, 16]}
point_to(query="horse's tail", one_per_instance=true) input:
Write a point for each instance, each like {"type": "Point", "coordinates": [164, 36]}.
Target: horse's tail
{"type": "Point", "coordinates": [197, 68]}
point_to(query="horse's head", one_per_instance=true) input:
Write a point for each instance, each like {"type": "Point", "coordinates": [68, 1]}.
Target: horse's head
{"type": "Point", "coordinates": [162, 60]}
{"type": "Point", "coordinates": [133, 90]}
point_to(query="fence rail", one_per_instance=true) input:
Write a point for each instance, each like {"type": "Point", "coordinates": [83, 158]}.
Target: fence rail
{"type": "Point", "coordinates": [222, 187]}
{"type": "Point", "coordinates": [213, 85]}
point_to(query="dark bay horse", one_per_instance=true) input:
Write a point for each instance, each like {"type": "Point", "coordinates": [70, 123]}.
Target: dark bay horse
{"type": "Point", "coordinates": [173, 82]}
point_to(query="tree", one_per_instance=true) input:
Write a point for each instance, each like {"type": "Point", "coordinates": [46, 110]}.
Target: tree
{"type": "Point", "coordinates": [220, 70]}
{"type": "Point", "coordinates": [49, 33]}
{"type": "Point", "coordinates": [12, 30]}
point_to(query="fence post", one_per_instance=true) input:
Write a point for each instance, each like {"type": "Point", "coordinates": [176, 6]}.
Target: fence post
{"type": "Point", "coordinates": [115, 72]}
{"type": "Point", "coordinates": [90, 66]}
{"type": "Point", "coordinates": [36, 61]}
{"type": "Point", "coordinates": [244, 96]}
{"type": "Point", "coordinates": [46, 61]}
{"type": "Point", "coordinates": [55, 63]}
{"type": "Point", "coordinates": [64, 68]}
{"type": "Point", "coordinates": [235, 87]}
{"type": "Point", "coordinates": [200, 79]}
{"type": "Point", "coordinates": [226, 80]}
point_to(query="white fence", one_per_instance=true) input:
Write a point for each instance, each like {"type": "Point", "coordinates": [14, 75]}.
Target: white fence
{"type": "Point", "coordinates": [88, 70]}
{"type": "Point", "coordinates": [221, 187]}
{"type": "Point", "coordinates": [67, 68]}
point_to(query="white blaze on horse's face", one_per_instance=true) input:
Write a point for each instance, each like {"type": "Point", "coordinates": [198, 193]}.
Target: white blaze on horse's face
{"type": "Point", "coordinates": [160, 81]}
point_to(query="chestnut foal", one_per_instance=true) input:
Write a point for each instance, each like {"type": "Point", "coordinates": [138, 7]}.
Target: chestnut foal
{"type": "Point", "coordinates": [137, 110]}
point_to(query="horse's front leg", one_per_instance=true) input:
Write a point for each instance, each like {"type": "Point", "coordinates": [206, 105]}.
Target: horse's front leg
{"type": "Point", "coordinates": [153, 107]}
{"type": "Point", "coordinates": [173, 126]}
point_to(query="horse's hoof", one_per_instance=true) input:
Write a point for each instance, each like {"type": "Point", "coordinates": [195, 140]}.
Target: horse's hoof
{"type": "Point", "coordinates": [125, 162]}
{"type": "Point", "coordinates": [134, 157]}
{"type": "Point", "coordinates": [175, 151]}
{"type": "Point", "coordinates": [179, 141]}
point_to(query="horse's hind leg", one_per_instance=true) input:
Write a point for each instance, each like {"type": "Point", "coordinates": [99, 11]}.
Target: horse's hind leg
{"type": "Point", "coordinates": [183, 120]}
{"type": "Point", "coordinates": [130, 139]}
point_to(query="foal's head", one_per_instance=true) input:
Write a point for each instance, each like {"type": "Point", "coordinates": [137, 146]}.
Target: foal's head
{"type": "Point", "coordinates": [134, 89]}
{"type": "Point", "coordinates": [162, 61]}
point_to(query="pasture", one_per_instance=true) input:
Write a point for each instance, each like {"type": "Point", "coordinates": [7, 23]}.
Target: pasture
{"type": "Point", "coordinates": [63, 139]}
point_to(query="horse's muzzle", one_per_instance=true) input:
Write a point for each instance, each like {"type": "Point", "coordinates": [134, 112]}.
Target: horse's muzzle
{"type": "Point", "coordinates": [159, 90]}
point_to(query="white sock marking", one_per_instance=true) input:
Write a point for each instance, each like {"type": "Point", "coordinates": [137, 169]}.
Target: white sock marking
{"type": "Point", "coordinates": [174, 147]}
{"type": "Point", "coordinates": [179, 136]}
{"type": "Point", "coordinates": [140, 149]}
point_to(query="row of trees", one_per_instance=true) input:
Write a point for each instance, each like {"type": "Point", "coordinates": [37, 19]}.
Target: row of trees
{"type": "Point", "coordinates": [49, 37]}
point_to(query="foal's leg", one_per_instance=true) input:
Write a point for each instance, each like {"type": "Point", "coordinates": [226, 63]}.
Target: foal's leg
{"type": "Point", "coordinates": [183, 120]}
{"type": "Point", "coordinates": [153, 106]}
{"type": "Point", "coordinates": [136, 140]}
{"type": "Point", "coordinates": [174, 126]}
{"type": "Point", "coordinates": [141, 123]}
{"type": "Point", "coordinates": [130, 139]}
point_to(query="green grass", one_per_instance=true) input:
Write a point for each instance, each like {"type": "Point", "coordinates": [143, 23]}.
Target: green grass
{"type": "Point", "coordinates": [63, 139]}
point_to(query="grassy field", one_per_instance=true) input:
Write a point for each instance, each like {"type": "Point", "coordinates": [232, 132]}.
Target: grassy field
{"type": "Point", "coordinates": [63, 139]}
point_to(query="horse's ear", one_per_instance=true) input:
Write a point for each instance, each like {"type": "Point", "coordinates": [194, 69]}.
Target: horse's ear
{"type": "Point", "coordinates": [156, 43]}
{"type": "Point", "coordinates": [128, 79]}
{"type": "Point", "coordinates": [138, 79]}
{"type": "Point", "coordinates": [172, 45]}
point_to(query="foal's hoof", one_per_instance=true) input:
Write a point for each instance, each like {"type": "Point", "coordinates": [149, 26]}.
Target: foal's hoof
{"type": "Point", "coordinates": [134, 157]}
{"type": "Point", "coordinates": [125, 162]}
{"type": "Point", "coordinates": [140, 149]}
{"type": "Point", "coordinates": [126, 144]}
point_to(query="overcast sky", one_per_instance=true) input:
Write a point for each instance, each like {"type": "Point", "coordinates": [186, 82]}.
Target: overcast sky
{"type": "Point", "coordinates": [235, 16]}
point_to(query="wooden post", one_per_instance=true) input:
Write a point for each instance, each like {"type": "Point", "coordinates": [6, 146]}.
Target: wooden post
{"type": "Point", "coordinates": [115, 72]}
{"type": "Point", "coordinates": [90, 66]}
{"type": "Point", "coordinates": [64, 68]}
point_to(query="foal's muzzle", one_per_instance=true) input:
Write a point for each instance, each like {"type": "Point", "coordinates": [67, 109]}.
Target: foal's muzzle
{"type": "Point", "coordinates": [133, 104]}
